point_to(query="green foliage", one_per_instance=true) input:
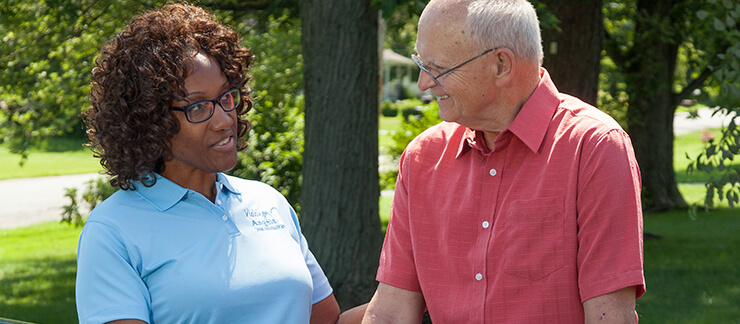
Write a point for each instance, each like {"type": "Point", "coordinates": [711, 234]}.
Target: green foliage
{"type": "Point", "coordinates": [388, 109]}
{"type": "Point", "coordinates": [612, 96]}
{"type": "Point", "coordinates": [409, 107]}
{"type": "Point", "coordinates": [95, 192]}
{"type": "Point", "coordinates": [718, 161]}
{"type": "Point", "coordinates": [48, 48]}
{"type": "Point", "coordinates": [706, 67]}
{"type": "Point", "coordinates": [410, 128]}
{"type": "Point", "coordinates": [275, 150]}
{"type": "Point", "coordinates": [720, 17]}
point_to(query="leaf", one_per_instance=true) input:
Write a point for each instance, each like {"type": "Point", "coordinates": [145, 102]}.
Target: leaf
{"type": "Point", "coordinates": [718, 25]}
{"type": "Point", "coordinates": [729, 22]}
{"type": "Point", "coordinates": [702, 14]}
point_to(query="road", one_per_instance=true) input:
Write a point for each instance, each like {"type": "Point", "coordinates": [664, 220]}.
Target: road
{"type": "Point", "coordinates": [32, 200]}
{"type": "Point", "coordinates": [28, 201]}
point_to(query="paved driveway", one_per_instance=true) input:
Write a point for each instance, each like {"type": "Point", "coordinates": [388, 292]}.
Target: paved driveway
{"type": "Point", "coordinates": [31, 200]}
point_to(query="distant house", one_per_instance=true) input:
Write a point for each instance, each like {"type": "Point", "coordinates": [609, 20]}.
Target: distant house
{"type": "Point", "coordinates": [399, 76]}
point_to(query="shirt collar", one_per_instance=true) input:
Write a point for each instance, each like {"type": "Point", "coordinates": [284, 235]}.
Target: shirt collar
{"type": "Point", "coordinates": [222, 182]}
{"type": "Point", "coordinates": [530, 124]}
{"type": "Point", "coordinates": [164, 193]}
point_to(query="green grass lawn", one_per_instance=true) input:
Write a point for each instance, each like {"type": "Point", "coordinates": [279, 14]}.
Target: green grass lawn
{"type": "Point", "coordinates": [692, 271]}
{"type": "Point", "coordinates": [388, 125]}
{"type": "Point", "coordinates": [37, 273]}
{"type": "Point", "coordinates": [58, 156]}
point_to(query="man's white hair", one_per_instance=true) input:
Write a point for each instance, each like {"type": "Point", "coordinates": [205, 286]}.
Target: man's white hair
{"type": "Point", "coordinates": [506, 23]}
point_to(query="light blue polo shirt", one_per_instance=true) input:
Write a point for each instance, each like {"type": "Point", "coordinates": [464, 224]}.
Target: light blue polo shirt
{"type": "Point", "coordinates": [166, 254]}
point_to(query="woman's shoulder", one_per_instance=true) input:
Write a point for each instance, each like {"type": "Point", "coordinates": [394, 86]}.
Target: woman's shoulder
{"type": "Point", "coordinates": [242, 184]}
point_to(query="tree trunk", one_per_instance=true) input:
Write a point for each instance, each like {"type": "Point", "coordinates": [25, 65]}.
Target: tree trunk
{"type": "Point", "coordinates": [573, 54]}
{"type": "Point", "coordinates": [649, 76]}
{"type": "Point", "coordinates": [339, 198]}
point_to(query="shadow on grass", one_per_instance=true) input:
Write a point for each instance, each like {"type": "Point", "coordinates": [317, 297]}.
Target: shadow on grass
{"type": "Point", "coordinates": [38, 291]}
{"type": "Point", "coordinates": [692, 272]}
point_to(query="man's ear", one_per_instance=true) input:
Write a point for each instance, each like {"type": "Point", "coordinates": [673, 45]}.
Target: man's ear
{"type": "Point", "coordinates": [505, 63]}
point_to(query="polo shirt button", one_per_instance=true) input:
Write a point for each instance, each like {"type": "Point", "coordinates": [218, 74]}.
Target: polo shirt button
{"type": "Point", "coordinates": [224, 218]}
{"type": "Point", "coordinates": [478, 276]}
{"type": "Point", "coordinates": [486, 224]}
{"type": "Point", "coordinates": [218, 201]}
{"type": "Point", "coordinates": [492, 172]}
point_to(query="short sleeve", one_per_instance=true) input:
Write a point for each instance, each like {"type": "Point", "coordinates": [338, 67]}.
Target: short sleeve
{"type": "Point", "coordinates": [321, 286]}
{"type": "Point", "coordinates": [609, 218]}
{"type": "Point", "coordinates": [108, 286]}
{"type": "Point", "coordinates": [397, 267]}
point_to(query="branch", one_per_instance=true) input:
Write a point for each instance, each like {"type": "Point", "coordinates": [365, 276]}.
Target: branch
{"type": "Point", "coordinates": [693, 85]}
{"type": "Point", "coordinates": [698, 81]}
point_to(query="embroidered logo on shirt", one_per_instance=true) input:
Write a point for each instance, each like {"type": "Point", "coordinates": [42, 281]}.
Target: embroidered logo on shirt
{"type": "Point", "coordinates": [263, 220]}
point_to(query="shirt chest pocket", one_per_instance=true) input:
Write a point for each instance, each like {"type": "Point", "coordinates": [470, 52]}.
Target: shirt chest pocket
{"type": "Point", "coordinates": [533, 237]}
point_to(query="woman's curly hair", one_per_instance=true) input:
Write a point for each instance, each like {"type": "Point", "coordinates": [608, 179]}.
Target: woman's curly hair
{"type": "Point", "coordinates": [138, 76]}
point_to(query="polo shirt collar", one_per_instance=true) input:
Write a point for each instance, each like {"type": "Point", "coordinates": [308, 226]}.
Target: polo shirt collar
{"type": "Point", "coordinates": [164, 193]}
{"type": "Point", "coordinates": [224, 183]}
{"type": "Point", "coordinates": [530, 124]}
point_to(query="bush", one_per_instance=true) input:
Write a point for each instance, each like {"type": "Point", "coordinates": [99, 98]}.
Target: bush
{"type": "Point", "coordinates": [275, 151]}
{"type": "Point", "coordinates": [409, 107]}
{"type": "Point", "coordinates": [388, 109]}
{"type": "Point", "coordinates": [428, 115]}
{"type": "Point", "coordinates": [95, 192]}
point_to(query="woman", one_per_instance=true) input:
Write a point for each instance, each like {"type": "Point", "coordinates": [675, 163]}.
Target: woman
{"type": "Point", "coordinates": [182, 242]}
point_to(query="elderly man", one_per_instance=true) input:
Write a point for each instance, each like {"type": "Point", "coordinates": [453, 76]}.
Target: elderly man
{"type": "Point", "coordinates": [524, 205]}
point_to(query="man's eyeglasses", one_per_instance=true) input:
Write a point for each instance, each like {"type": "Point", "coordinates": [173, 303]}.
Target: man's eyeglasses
{"type": "Point", "coordinates": [417, 60]}
{"type": "Point", "coordinates": [203, 110]}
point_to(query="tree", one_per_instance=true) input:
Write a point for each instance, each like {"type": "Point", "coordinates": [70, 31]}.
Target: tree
{"type": "Point", "coordinates": [275, 151]}
{"type": "Point", "coordinates": [340, 165]}
{"type": "Point", "coordinates": [48, 48]}
{"type": "Point", "coordinates": [573, 47]}
{"type": "Point", "coordinates": [45, 60]}
{"type": "Point", "coordinates": [644, 41]}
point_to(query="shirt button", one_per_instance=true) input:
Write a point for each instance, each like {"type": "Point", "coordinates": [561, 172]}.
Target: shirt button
{"type": "Point", "coordinates": [486, 224]}
{"type": "Point", "coordinates": [478, 276]}
{"type": "Point", "coordinates": [492, 172]}
{"type": "Point", "coordinates": [218, 201]}
{"type": "Point", "coordinates": [224, 218]}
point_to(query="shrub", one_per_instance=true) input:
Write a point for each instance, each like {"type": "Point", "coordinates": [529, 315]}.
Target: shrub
{"type": "Point", "coordinates": [428, 115]}
{"type": "Point", "coordinates": [275, 151]}
{"type": "Point", "coordinates": [388, 109]}
{"type": "Point", "coordinates": [409, 107]}
{"type": "Point", "coordinates": [95, 192]}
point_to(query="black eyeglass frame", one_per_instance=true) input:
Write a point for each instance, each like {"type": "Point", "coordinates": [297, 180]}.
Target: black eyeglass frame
{"type": "Point", "coordinates": [213, 102]}
{"type": "Point", "coordinates": [417, 60]}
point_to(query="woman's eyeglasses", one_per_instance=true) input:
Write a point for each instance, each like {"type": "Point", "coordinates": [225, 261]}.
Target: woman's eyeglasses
{"type": "Point", "coordinates": [203, 110]}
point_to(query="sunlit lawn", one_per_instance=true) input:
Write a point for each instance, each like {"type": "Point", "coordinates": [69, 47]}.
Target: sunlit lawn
{"type": "Point", "coordinates": [37, 273]}
{"type": "Point", "coordinates": [58, 156]}
{"type": "Point", "coordinates": [387, 126]}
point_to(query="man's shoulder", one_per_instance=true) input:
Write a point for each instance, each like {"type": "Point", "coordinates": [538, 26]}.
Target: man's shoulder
{"type": "Point", "coordinates": [585, 116]}
{"type": "Point", "coordinates": [440, 135]}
